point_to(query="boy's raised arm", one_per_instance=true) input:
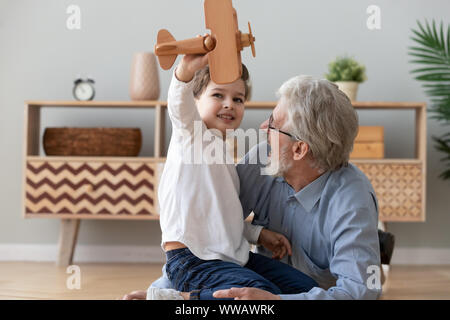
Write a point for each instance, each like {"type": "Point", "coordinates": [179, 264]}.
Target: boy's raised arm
{"type": "Point", "coordinates": [189, 65]}
{"type": "Point", "coordinates": [180, 101]}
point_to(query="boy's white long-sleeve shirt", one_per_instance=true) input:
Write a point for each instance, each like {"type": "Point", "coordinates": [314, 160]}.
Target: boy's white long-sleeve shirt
{"type": "Point", "coordinates": [199, 203]}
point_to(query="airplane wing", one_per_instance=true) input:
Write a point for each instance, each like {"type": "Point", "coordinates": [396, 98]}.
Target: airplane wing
{"type": "Point", "coordinates": [225, 60]}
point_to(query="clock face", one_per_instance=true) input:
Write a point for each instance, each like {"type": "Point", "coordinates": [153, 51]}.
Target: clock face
{"type": "Point", "coordinates": [84, 91]}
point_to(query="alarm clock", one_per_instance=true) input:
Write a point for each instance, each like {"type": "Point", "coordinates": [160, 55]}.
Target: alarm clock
{"type": "Point", "coordinates": [83, 89]}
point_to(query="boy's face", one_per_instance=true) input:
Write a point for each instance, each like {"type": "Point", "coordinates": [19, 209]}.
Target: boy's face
{"type": "Point", "coordinates": [221, 106]}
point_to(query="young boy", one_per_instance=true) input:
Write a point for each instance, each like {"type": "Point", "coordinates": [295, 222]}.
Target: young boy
{"type": "Point", "coordinates": [203, 230]}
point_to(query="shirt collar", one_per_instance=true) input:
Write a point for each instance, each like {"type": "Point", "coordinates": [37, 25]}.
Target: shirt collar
{"type": "Point", "coordinates": [309, 195]}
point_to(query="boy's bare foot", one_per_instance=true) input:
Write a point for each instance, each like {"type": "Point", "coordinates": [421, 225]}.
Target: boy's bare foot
{"type": "Point", "coordinates": [135, 295]}
{"type": "Point", "coordinates": [186, 295]}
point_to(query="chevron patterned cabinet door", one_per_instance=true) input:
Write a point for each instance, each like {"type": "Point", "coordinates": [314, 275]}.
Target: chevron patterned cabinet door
{"type": "Point", "coordinates": [92, 189]}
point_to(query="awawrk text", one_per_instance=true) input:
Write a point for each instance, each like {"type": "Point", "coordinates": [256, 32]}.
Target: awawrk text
{"type": "Point", "coordinates": [237, 309]}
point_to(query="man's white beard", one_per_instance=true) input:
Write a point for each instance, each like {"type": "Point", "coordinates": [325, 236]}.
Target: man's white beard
{"type": "Point", "coordinates": [277, 165]}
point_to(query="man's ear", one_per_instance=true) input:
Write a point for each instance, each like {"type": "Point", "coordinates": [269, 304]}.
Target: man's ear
{"type": "Point", "coordinates": [300, 149]}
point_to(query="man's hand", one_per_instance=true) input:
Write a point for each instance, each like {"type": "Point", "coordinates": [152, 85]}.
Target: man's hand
{"type": "Point", "coordinates": [275, 242]}
{"type": "Point", "coordinates": [245, 294]}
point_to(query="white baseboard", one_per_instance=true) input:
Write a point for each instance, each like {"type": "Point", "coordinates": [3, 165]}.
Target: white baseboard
{"type": "Point", "coordinates": [93, 253]}
{"type": "Point", "coordinates": [421, 256]}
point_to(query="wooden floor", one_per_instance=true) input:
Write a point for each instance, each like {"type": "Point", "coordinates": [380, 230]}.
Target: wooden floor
{"type": "Point", "coordinates": [34, 280]}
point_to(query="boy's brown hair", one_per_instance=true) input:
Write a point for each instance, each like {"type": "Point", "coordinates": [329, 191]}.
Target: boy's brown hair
{"type": "Point", "coordinates": [202, 78]}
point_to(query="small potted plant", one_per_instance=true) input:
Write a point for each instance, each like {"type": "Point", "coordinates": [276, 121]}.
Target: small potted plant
{"type": "Point", "coordinates": [347, 73]}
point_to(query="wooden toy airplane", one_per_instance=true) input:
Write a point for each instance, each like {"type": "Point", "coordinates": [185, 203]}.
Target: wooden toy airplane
{"type": "Point", "coordinates": [224, 44]}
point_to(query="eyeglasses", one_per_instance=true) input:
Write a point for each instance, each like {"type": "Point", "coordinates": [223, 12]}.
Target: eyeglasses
{"type": "Point", "coordinates": [270, 127]}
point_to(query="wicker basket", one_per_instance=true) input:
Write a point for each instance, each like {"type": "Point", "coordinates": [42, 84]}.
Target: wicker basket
{"type": "Point", "coordinates": [123, 142]}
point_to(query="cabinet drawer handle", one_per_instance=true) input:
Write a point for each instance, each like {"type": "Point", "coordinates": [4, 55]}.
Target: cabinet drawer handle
{"type": "Point", "coordinates": [89, 187]}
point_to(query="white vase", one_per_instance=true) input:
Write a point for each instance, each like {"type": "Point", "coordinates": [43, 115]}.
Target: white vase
{"type": "Point", "coordinates": [144, 79]}
{"type": "Point", "coordinates": [350, 88]}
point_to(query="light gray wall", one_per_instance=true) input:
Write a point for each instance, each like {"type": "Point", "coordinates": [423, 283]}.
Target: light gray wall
{"type": "Point", "coordinates": [40, 57]}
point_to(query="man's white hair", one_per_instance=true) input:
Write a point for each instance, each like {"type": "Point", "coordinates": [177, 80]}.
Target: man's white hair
{"type": "Point", "coordinates": [321, 115]}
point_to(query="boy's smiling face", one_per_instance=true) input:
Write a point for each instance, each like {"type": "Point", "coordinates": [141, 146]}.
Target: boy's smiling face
{"type": "Point", "coordinates": [221, 106]}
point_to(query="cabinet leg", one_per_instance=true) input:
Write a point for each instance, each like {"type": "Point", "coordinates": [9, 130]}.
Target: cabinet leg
{"type": "Point", "coordinates": [67, 240]}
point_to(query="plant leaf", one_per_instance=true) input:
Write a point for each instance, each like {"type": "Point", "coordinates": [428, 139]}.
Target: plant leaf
{"type": "Point", "coordinates": [448, 40]}
{"type": "Point", "coordinates": [433, 55]}
{"type": "Point", "coordinates": [428, 58]}
{"type": "Point", "coordinates": [430, 52]}
{"type": "Point", "coordinates": [438, 76]}
{"type": "Point", "coordinates": [443, 68]}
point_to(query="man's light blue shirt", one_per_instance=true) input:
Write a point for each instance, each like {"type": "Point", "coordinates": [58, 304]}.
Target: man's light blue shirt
{"type": "Point", "coordinates": [332, 225]}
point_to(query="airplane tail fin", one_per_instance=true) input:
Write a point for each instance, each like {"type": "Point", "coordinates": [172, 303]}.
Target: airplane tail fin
{"type": "Point", "coordinates": [165, 61]}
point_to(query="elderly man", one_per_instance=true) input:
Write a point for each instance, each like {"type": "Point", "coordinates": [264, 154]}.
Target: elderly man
{"type": "Point", "coordinates": [325, 206]}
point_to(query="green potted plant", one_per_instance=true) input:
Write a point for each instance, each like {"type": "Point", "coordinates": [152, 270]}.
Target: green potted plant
{"type": "Point", "coordinates": [347, 73]}
{"type": "Point", "coordinates": [432, 54]}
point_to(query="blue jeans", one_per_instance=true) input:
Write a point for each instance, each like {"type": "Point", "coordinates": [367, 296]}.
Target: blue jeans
{"type": "Point", "coordinates": [202, 278]}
